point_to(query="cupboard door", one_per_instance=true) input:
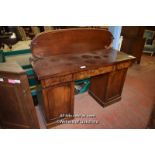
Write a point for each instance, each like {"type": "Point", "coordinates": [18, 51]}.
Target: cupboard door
{"type": "Point", "coordinates": [58, 100]}
{"type": "Point", "coordinates": [107, 88]}
{"type": "Point", "coordinates": [98, 87]}
{"type": "Point", "coordinates": [115, 84]}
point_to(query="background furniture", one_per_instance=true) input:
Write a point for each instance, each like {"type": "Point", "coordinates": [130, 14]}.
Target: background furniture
{"type": "Point", "coordinates": [149, 46]}
{"type": "Point", "coordinates": [5, 38]}
{"type": "Point", "coordinates": [16, 105]}
{"type": "Point", "coordinates": [22, 57]}
{"type": "Point", "coordinates": [133, 41]}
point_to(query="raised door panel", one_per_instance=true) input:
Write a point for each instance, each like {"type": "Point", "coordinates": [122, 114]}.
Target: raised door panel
{"type": "Point", "coordinates": [115, 84]}
{"type": "Point", "coordinates": [59, 100]}
{"type": "Point", "coordinates": [98, 87]}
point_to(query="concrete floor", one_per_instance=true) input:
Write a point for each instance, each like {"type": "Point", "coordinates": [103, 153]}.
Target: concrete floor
{"type": "Point", "coordinates": [134, 109]}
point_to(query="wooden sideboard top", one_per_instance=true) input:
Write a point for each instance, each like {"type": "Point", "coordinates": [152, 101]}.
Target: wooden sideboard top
{"type": "Point", "coordinates": [61, 52]}
{"type": "Point", "coordinates": [64, 64]}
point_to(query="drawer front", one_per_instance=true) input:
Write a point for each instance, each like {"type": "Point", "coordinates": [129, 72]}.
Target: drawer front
{"type": "Point", "coordinates": [123, 65]}
{"type": "Point", "coordinates": [93, 72]}
{"type": "Point", "coordinates": [56, 80]}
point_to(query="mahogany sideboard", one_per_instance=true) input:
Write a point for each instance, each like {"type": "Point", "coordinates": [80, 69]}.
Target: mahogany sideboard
{"type": "Point", "coordinates": [62, 56]}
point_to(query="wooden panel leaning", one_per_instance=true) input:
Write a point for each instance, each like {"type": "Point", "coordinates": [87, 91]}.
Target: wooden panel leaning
{"type": "Point", "coordinates": [16, 105]}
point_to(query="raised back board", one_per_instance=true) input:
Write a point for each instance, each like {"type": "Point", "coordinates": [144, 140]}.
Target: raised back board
{"type": "Point", "coordinates": [70, 41]}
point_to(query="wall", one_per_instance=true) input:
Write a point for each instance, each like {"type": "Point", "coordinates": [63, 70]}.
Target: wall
{"type": "Point", "coordinates": [116, 31]}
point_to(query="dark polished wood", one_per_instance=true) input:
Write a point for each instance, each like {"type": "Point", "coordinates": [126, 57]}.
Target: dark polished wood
{"type": "Point", "coordinates": [16, 105]}
{"type": "Point", "coordinates": [65, 64]}
{"type": "Point", "coordinates": [63, 56]}
{"type": "Point", "coordinates": [107, 88]}
{"type": "Point", "coordinates": [70, 41]}
{"type": "Point", "coordinates": [133, 41]}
